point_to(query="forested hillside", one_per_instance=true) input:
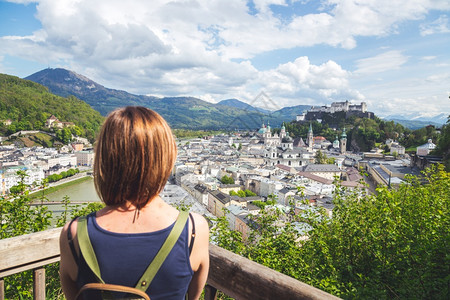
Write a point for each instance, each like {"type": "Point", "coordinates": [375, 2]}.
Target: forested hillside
{"type": "Point", "coordinates": [28, 105]}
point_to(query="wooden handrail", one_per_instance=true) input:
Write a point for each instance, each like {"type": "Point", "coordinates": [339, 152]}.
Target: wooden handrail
{"type": "Point", "coordinates": [232, 274]}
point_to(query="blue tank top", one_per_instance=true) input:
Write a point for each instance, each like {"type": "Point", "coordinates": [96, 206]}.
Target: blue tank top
{"type": "Point", "coordinates": [124, 257]}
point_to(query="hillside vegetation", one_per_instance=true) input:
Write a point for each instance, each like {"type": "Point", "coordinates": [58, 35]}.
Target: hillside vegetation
{"type": "Point", "coordinates": [28, 105]}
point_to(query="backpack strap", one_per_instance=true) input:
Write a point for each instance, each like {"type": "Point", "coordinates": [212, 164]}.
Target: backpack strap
{"type": "Point", "coordinates": [86, 248]}
{"type": "Point", "coordinates": [70, 240]}
{"type": "Point", "coordinates": [154, 266]}
{"type": "Point", "coordinates": [102, 287]}
{"type": "Point", "coordinates": [192, 235]}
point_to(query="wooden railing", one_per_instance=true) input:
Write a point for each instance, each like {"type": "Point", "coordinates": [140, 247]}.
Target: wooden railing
{"type": "Point", "coordinates": [232, 274]}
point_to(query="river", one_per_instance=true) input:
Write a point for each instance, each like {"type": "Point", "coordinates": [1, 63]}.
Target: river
{"type": "Point", "coordinates": [81, 192]}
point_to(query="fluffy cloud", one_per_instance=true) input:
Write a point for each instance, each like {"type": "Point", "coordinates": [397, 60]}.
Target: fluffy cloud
{"type": "Point", "coordinates": [205, 47]}
{"type": "Point", "coordinates": [301, 82]}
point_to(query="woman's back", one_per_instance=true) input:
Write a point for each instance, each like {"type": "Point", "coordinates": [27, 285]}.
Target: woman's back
{"type": "Point", "coordinates": [123, 258]}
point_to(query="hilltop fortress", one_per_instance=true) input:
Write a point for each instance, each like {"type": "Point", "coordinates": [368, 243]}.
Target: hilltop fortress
{"type": "Point", "coordinates": [317, 112]}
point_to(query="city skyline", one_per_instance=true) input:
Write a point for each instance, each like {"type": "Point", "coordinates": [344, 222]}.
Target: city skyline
{"type": "Point", "coordinates": [393, 55]}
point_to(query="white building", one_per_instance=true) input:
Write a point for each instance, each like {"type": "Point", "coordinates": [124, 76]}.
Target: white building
{"type": "Point", "coordinates": [425, 149]}
{"type": "Point", "coordinates": [85, 158]}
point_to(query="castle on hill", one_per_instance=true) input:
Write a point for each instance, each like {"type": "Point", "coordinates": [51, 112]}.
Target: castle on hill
{"type": "Point", "coordinates": [317, 112]}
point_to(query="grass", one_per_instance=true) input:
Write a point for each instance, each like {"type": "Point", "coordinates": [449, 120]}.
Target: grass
{"type": "Point", "coordinates": [53, 189]}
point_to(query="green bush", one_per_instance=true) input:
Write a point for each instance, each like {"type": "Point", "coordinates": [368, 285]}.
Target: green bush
{"type": "Point", "coordinates": [392, 245]}
{"type": "Point", "coordinates": [19, 217]}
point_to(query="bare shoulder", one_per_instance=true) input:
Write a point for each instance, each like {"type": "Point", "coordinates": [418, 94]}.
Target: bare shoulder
{"type": "Point", "coordinates": [199, 219]}
{"type": "Point", "coordinates": [201, 225]}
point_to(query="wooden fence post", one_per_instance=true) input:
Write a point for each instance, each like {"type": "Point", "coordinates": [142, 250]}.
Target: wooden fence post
{"type": "Point", "coordinates": [210, 292]}
{"type": "Point", "coordinates": [2, 289]}
{"type": "Point", "coordinates": [39, 284]}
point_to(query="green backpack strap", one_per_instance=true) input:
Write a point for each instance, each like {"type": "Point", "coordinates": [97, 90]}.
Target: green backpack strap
{"type": "Point", "coordinates": [159, 259]}
{"type": "Point", "coordinates": [86, 248]}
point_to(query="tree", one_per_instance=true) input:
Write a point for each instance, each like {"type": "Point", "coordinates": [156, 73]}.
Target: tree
{"type": "Point", "coordinates": [443, 145]}
{"type": "Point", "coordinates": [227, 180]}
{"type": "Point", "coordinates": [320, 158]}
{"type": "Point", "coordinates": [241, 193]}
{"type": "Point", "coordinates": [249, 193]}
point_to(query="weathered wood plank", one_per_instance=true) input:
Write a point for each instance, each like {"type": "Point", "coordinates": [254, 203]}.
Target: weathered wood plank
{"type": "Point", "coordinates": [34, 248]}
{"type": "Point", "coordinates": [243, 279]}
{"type": "Point", "coordinates": [30, 266]}
{"type": "Point", "coordinates": [39, 284]}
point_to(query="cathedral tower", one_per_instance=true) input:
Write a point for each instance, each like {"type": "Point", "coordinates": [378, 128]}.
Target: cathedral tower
{"type": "Point", "coordinates": [343, 142]}
{"type": "Point", "coordinates": [310, 138]}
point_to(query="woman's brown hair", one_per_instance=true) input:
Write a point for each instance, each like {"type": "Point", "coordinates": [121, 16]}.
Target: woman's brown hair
{"type": "Point", "coordinates": [134, 156]}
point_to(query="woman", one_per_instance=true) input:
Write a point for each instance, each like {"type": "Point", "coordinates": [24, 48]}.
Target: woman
{"type": "Point", "coordinates": [134, 156]}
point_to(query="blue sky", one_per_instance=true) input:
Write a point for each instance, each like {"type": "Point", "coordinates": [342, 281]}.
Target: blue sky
{"type": "Point", "coordinates": [394, 55]}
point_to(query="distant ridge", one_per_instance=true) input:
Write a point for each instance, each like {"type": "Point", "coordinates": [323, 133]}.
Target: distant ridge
{"type": "Point", "coordinates": [180, 112]}
{"type": "Point", "coordinates": [239, 104]}
{"type": "Point", "coordinates": [415, 124]}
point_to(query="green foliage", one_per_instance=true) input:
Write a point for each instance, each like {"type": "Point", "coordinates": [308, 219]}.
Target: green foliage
{"type": "Point", "coordinates": [249, 193]}
{"type": "Point", "coordinates": [443, 144]}
{"type": "Point", "coordinates": [29, 104]}
{"type": "Point", "coordinates": [225, 237]}
{"type": "Point", "coordinates": [420, 136]}
{"type": "Point", "coordinates": [390, 245]}
{"type": "Point", "coordinates": [57, 177]}
{"type": "Point", "coordinates": [183, 206]}
{"type": "Point", "coordinates": [18, 217]}
{"type": "Point", "coordinates": [262, 204]}
{"type": "Point", "coordinates": [320, 158]}
{"type": "Point", "coordinates": [186, 133]}
{"type": "Point", "coordinates": [227, 179]}
{"type": "Point", "coordinates": [242, 194]}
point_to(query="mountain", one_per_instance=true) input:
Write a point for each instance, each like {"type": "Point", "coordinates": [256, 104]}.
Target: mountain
{"type": "Point", "coordinates": [28, 105]}
{"type": "Point", "coordinates": [65, 83]}
{"type": "Point", "coordinates": [180, 112]}
{"type": "Point", "coordinates": [414, 124]}
{"type": "Point", "coordinates": [242, 105]}
{"type": "Point", "coordinates": [290, 112]}
{"type": "Point", "coordinates": [418, 120]}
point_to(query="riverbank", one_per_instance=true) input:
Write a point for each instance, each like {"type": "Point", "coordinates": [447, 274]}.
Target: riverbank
{"type": "Point", "coordinates": [52, 189]}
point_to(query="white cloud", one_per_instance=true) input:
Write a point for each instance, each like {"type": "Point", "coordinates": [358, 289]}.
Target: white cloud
{"type": "Point", "coordinates": [190, 47]}
{"type": "Point", "coordinates": [302, 80]}
{"type": "Point", "coordinates": [440, 25]}
{"type": "Point", "coordinates": [386, 61]}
